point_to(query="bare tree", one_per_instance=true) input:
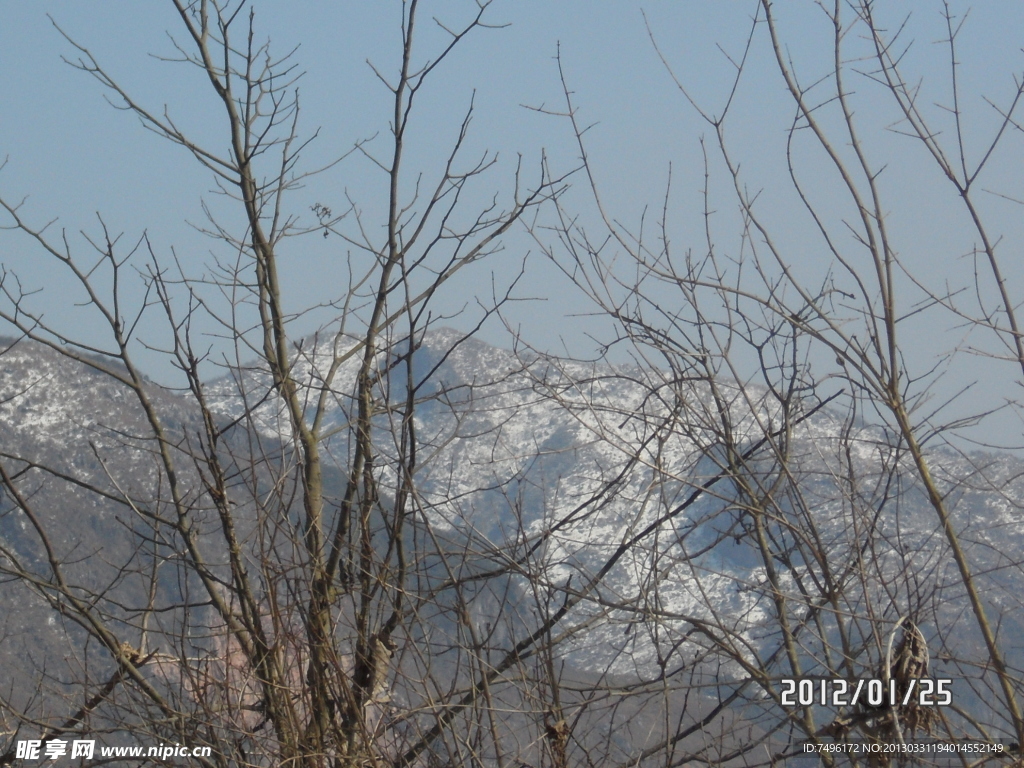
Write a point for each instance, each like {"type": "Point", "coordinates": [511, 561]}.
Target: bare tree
{"type": "Point", "coordinates": [810, 423]}
{"type": "Point", "coordinates": [271, 603]}
{"type": "Point", "coordinates": [749, 493]}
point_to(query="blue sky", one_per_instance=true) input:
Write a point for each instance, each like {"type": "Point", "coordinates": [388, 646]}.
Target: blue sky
{"type": "Point", "coordinates": [72, 155]}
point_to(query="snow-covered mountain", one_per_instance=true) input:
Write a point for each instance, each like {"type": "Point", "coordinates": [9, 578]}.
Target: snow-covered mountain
{"type": "Point", "coordinates": [676, 526]}
{"type": "Point", "coordinates": [588, 457]}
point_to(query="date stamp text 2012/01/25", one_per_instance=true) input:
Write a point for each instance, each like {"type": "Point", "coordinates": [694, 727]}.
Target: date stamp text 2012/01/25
{"type": "Point", "coordinates": [872, 692]}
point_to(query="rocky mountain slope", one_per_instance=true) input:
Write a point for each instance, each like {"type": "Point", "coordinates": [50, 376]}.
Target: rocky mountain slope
{"type": "Point", "coordinates": [613, 495]}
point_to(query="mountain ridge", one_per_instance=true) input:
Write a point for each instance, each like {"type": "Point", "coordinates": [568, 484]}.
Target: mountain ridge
{"type": "Point", "coordinates": [548, 469]}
